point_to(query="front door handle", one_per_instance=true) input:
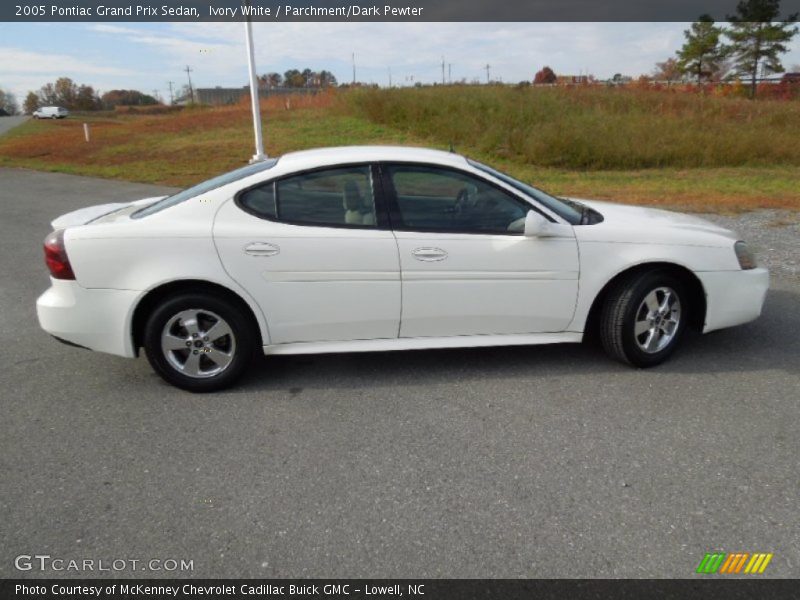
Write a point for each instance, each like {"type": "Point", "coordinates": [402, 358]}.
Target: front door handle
{"type": "Point", "coordinates": [261, 249]}
{"type": "Point", "coordinates": [429, 254]}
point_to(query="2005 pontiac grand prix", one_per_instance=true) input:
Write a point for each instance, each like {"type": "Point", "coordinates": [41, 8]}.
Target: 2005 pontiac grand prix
{"type": "Point", "coordinates": [381, 248]}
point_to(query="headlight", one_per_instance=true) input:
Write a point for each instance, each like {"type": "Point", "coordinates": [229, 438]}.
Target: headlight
{"type": "Point", "coordinates": [747, 260]}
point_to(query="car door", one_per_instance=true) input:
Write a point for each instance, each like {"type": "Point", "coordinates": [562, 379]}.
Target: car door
{"type": "Point", "coordinates": [315, 251]}
{"type": "Point", "coordinates": [467, 268]}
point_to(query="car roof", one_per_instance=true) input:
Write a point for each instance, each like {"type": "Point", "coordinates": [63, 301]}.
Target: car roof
{"type": "Point", "coordinates": [356, 154]}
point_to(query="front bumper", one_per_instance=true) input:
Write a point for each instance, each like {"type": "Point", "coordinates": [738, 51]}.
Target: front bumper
{"type": "Point", "coordinates": [97, 319]}
{"type": "Point", "coordinates": [733, 297]}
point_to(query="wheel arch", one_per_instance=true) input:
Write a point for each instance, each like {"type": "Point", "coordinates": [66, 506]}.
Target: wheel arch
{"type": "Point", "coordinates": [152, 297]}
{"type": "Point", "coordinates": [696, 292]}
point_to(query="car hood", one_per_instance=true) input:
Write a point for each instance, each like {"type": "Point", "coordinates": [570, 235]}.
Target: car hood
{"type": "Point", "coordinates": [94, 213]}
{"type": "Point", "coordinates": [638, 216]}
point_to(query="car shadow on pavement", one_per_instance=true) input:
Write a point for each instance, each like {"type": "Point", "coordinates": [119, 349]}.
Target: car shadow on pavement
{"type": "Point", "coordinates": [767, 343]}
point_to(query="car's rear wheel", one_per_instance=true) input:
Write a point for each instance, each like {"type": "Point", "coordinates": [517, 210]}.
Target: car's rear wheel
{"type": "Point", "coordinates": [644, 317]}
{"type": "Point", "coordinates": [199, 342]}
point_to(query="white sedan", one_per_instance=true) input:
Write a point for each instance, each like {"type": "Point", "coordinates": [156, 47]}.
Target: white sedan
{"type": "Point", "coordinates": [380, 248]}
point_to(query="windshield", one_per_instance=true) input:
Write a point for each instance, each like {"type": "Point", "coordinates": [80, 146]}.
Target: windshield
{"type": "Point", "coordinates": [206, 186]}
{"type": "Point", "coordinates": [569, 212]}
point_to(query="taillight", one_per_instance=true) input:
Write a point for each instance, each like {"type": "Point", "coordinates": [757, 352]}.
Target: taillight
{"type": "Point", "coordinates": [55, 255]}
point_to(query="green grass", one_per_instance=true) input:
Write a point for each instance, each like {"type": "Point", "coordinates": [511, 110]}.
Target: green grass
{"type": "Point", "coordinates": [595, 129]}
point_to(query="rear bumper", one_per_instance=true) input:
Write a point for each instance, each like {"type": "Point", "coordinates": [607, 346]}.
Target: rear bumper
{"type": "Point", "coordinates": [97, 319]}
{"type": "Point", "coordinates": [733, 297]}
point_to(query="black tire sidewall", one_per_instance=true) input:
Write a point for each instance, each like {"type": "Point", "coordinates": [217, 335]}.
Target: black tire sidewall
{"type": "Point", "coordinates": [238, 321]}
{"type": "Point", "coordinates": [641, 288]}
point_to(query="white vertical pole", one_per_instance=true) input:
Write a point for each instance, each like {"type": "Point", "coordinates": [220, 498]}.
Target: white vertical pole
{"type": "Point", "coordinates": [251, 62]}
{"type": "Point", "coordinates": [86, 131]}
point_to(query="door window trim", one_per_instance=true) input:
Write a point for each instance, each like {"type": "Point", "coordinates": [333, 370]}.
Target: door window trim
{"type": "Point", "coordinates": [382, 222]}
{"type": "Point", "coordinates": [395, 217]}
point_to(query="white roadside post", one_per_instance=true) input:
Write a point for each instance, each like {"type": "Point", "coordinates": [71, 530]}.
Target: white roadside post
{"type": "Point", "coordinates": [86, 131]}
{"type": "Point", "coordinates": [251, 61]}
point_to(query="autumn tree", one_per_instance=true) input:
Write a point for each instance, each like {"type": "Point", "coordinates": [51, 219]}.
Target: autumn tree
{"type": "Point", "coordinates": [65, 92]}
{"type": "Point", "coordinates": [702, 51]}
{"type": "Point", "coordinates": [270, 80]}
{"type": "Point", "coordinates": [669, 70]}
{"type": "Point", "coordinates": [546, 75]}
{"type": "Point", "coordinates": [293, 78]}
{"type": "Point", "coordinates": [326, 79]}
{"type": "Point", "coordinates": [31, 103]}
{"type": "Point", "coordinates": [758, 38]}
{"type": "Point", "coordinates": [114, 98]}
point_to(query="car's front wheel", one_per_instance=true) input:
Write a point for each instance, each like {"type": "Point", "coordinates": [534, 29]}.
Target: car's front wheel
{"type": "Point", "coordinates": [199, 342]}
{"type": "Point", "coordinates": [644, 317]}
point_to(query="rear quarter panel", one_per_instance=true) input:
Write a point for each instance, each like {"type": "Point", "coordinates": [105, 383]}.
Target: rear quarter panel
{"type": "Point", "coordinates": [143, 254]}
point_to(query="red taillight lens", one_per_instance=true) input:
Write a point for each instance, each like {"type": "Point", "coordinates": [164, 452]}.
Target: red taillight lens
{"type": "Point", "coordinates": [55, 255]}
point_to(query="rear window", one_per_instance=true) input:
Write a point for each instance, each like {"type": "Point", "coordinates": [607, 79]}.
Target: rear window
{"type": "Point", "coordinates": [205, 186]}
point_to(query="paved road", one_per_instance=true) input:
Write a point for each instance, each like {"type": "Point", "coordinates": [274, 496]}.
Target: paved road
{"type": "Point", "coordinates": [8, 123]}
{"type": "Point", "coordinates": [522, 462]}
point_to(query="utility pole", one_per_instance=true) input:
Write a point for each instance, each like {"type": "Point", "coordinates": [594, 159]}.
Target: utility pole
{"type": "Point", "coordinates": [256, 108]}
{"type": "Point", "coordinates": [450, 73]}
{"type": "Point", "coordinates": [354, 67]}
{"type": "Point", "coordinates": [171, 97]}
{"type": "Point", "coordinates": [155, 95]}
{"type": "Point", "coordinates": [442, 70]}
{"type": "Point", "coordinates": [487, 67]}
{"type": "Point", "coordinates": [191, 89]}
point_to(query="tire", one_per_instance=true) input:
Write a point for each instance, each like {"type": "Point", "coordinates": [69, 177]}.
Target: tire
{"type": "Point", "coordinates": [644, 317]}
{"type": "Point", "coordinates": [183, 356]}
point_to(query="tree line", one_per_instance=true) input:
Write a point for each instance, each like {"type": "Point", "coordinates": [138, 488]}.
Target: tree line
{"type": "Point", "coordinates": [756, 39]}
{"type": "Point", "coordinates": [294, 78]}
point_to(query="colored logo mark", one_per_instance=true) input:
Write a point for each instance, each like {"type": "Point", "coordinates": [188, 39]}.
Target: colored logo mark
{"type": "Point", "coordinates": [733, 563]}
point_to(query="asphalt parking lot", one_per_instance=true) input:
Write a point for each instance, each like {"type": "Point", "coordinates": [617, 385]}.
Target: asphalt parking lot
{"type": "Point", "coordinates": [516, 462]}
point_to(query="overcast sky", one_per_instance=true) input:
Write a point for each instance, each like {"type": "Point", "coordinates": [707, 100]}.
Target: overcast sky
{"type": "Point", "coordinates": [145, 56]}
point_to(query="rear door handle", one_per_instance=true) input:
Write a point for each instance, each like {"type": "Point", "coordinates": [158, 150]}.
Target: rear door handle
{"type": "Point", "coordinates": [429, 254]}
{"type": "Point", "coordinates": [261, 249]}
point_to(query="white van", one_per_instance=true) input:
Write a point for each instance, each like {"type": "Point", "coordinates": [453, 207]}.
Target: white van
{"type": "Point", "coordinates": [50, 112]}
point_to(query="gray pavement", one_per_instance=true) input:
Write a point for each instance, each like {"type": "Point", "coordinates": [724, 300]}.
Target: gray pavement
{"type": "Point", "coordinates": [515, 462]}
{"type": "Point", "coordinates": [8, 123]}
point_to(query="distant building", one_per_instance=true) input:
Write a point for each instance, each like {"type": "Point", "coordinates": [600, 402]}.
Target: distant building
{"type": "Point", "coordinates": [568, 79]}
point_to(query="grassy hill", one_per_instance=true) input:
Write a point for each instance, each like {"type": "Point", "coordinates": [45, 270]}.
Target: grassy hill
{"type": "Point", "coordinates": [670, 148]}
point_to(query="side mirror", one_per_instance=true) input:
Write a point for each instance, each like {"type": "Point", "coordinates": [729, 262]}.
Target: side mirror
{"type": "Point", "coordinates": [535, 224]}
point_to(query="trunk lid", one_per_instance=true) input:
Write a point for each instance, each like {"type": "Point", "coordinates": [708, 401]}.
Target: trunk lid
{"type": "Point", "coordinates": [101, 213]}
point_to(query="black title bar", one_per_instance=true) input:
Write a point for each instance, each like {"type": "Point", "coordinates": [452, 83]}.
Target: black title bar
{"type": "Point", "coordinates": [380, 10]}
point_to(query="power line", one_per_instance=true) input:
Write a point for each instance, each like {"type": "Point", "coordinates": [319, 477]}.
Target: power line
{"type": "Point", "coordinates": [191, 89]}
